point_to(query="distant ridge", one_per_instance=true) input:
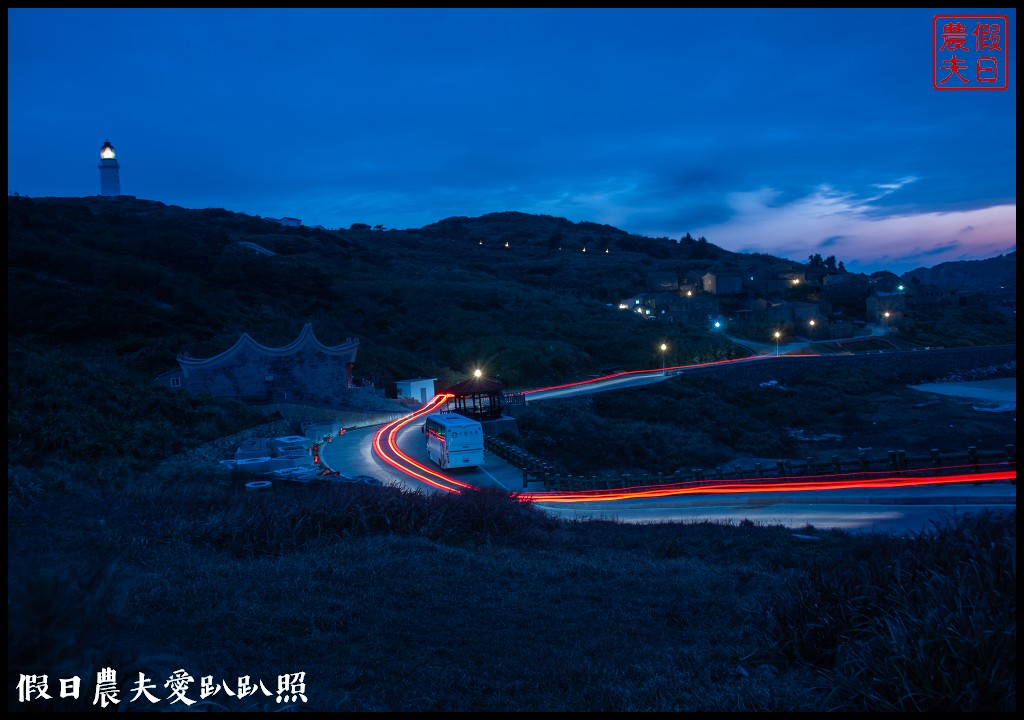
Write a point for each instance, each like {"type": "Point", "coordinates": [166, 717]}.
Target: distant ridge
{"type": "Point", "coordinates": [998, 273]}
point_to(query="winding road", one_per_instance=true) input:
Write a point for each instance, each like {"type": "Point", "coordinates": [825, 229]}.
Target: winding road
{"type": "Point", "coordinates": [855, 502]}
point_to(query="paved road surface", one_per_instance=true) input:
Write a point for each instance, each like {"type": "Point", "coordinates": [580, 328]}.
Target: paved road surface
{"type": "Point", "coordinates": [888, 510]}
{"type": "Point", "coordinates": [860, 510]}
{"type": "Point", "coordinates": [799, 343]}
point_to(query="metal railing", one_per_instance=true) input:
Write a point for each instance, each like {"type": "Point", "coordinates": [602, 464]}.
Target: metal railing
{"type": "Point", "coordinates": [897, 462]}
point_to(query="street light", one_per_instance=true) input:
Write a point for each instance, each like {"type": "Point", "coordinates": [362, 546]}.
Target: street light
{"type": "Point", "coordinates": [477, 373]}
{"type": "Point", "coordinates": [664, 347]}
{"type": "Point", "coordinates": [885, 321]}
{"type": "Point", "coordinates": [777, 336]}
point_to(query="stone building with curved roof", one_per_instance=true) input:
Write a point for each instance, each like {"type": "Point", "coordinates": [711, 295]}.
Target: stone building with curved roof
{"type": "Point", "coordinates": [303, 371]}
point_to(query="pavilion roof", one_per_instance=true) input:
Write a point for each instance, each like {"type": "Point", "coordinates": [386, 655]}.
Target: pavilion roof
{"type": "Point", "coordinates": [476, 386]}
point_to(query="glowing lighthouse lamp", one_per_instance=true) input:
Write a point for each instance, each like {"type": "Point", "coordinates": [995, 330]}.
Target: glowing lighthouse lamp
{"type": "Point", "coordinates": [110, 183]}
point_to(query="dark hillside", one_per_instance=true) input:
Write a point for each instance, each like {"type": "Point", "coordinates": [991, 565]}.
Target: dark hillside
{"type": "Point", "coordinates": [105, 294]}
{"type": "Point", "coordinates": [985, 276]}
{"type": "Point", "coordinates": [102, 296]}
{"type": "Point", "coordinates": [388, 600]}
{"type": "Point", "coordinates": [142, 277]}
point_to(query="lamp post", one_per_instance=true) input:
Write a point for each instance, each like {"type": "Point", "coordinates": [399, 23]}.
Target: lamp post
{"type": "Point", "coordinates": [885, 321]}
{"type": "Point", "coordinates": [777, 336]}
{"type": "Point", "coordinates": [664, 347]}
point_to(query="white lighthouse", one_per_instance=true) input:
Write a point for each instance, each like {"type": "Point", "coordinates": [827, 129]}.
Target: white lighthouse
{"type": "Point", "coordinates": [110, 184]}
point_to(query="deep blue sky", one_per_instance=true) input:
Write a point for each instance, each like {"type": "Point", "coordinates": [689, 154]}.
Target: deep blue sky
{"type": "Point", "coordinates": [790, 132]}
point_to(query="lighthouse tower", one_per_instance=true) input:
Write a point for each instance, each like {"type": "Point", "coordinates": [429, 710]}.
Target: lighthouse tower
{"type": "Point", "coordinates": [110, 184]}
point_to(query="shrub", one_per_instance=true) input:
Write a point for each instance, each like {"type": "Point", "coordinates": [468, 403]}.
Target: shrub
{"type": "Point", "coordinates": [919, 625]}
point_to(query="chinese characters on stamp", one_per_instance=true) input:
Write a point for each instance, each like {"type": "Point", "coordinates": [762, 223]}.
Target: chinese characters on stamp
{"type": "Point", "coordinates": [969, 52]}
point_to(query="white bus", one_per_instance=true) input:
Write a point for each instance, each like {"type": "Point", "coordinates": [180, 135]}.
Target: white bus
{"type": "Point", "coordinates": [454, 440]}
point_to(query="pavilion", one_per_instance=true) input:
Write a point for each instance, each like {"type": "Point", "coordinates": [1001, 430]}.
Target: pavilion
{"type": "Point", "coordinates": [477, 398]}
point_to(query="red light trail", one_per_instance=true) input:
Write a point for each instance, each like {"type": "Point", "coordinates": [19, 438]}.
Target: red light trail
{"type": "Point", "coordinates": [635, 373]}
{"type": "Point", "coordinates": [386, 447]}
{"type": "Point", "coordinates": [749, 486]}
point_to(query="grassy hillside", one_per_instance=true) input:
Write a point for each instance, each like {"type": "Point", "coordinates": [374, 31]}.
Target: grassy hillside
{"type": "Point", "coordinates": [103, 294]}
{"type": "Point", "coordinates": [148, 280]}
{"type": "Point", "coordinates": [397, 601]}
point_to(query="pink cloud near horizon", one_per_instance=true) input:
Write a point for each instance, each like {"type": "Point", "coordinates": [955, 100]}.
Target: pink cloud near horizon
{"type": "Point", "coordinates": [833, 223]}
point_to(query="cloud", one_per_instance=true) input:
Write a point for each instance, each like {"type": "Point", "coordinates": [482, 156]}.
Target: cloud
{"type": "Point", "coordinates": [858, 234]}
{"type": "Point", "coordinates": [889, 188]}
{"type": "Point", "coordinates": [931, 252]}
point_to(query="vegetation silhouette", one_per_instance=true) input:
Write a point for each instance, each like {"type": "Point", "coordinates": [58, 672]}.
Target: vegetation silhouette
{"type": "Point", "coordinates": [123, 556]}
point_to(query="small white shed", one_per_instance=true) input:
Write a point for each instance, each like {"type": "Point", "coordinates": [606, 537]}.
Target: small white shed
{"type": "Point", "coordinates": [421, 390]}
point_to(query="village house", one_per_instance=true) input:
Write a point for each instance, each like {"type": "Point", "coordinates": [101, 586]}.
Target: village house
{"type": "Point", "coordinates": [879, 303]}
{"type": "Point", "coordinates": [722, 284]}
{"type": "Point", "coordinates": [846, 288]}
{"type": "Point", "coordinates": [779, 313]}
{"type": "Point", "coordinates": [695, 311]}
{"type": "Point", "coordinates": [673, 307]}
{"type": "Point", "coordinates": [650, 304]}
{"type": "Point", "coordinates": [286, 221]}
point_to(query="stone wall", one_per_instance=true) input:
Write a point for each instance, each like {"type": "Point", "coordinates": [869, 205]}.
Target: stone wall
{"type": "Point", "coordinates": [305, 371]}
{"type": "Point", "coordinates": [353, 415]}
{"type": "Point", "coordinates": [302, 376]}
{"type": "Point", "coordinates": [224, 448]}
